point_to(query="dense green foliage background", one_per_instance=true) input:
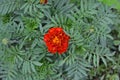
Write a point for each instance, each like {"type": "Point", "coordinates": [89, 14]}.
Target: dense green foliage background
{"type": "Point", "coordinates": [94, 47]}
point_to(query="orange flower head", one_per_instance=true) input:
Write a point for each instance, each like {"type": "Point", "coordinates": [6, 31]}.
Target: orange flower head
{"type": "Point", "coordinates": [43, 1]}
{"type": "Point", "coordinates": [56, 40]}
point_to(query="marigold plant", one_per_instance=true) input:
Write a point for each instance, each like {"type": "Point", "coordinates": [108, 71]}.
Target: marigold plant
{"type": "Point", "coordinates": [59, 40]}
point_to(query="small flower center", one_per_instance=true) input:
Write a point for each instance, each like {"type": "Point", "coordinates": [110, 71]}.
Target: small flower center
{"type": "Point", "coordinates": [56, 40]}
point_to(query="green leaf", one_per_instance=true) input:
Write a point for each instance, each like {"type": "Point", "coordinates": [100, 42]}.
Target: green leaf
{"type": "Point", "coordinates": [119, 47]}
{"type": "Point", "coordinates": [37, 63]}
{"type": "Point", "coordinates": [104, 61]}
{"type": "Point", "coordinates": [116, 42]}
{"type": "Point", "coordinates": [32, 67]}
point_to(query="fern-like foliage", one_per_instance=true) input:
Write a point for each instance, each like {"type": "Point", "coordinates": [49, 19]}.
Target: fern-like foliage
{"type": "Point", "coordinates": [7, 6]}
{"type": "Point", "coordinates": [78, 70]}
{"type": "Point", "coordinates": [60, 7]}
{"type": "Point", "coordinates": [100, 55]}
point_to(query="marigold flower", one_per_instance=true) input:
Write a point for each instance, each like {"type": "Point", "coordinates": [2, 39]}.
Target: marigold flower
{"type": "Point", "coordinates": [43, 1]}
{"type": "Point", "coordinates": [56, 40]}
